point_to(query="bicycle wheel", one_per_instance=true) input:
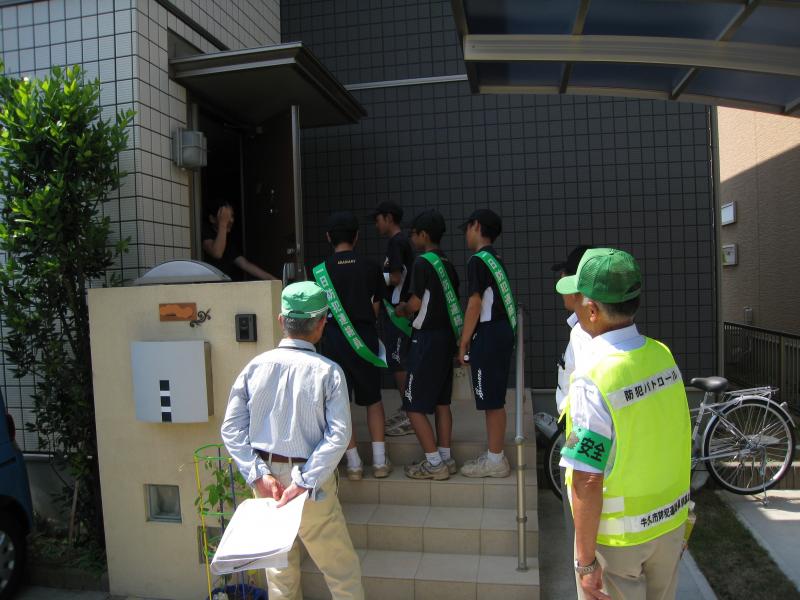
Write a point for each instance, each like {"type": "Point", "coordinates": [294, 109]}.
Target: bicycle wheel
{"type": "Point", "coordinates": [749, 447]}
{"type": "Point", "coordinates": [551, 459]}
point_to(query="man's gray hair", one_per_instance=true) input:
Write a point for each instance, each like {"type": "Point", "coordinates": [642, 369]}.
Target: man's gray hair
{"type": "Point", "coordinates": [619, 312]}
{"type": "Point", "coordinates": [301, 327]}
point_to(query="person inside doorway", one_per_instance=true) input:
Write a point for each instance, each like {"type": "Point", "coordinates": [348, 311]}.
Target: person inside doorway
{"type": "Point", "coordinates": [222, 247]}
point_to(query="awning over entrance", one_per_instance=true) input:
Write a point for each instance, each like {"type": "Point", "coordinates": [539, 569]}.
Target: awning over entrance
{"type": "Point", "coordinates": [744, 54]}
{"type": "Point", "coordinates": [251, 86]}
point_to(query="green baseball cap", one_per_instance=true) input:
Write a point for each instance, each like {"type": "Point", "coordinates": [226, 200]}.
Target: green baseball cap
{"type": "Point", "coordinates": [303, 300]}
{"type": "Point", "coordinates": [606, 275]}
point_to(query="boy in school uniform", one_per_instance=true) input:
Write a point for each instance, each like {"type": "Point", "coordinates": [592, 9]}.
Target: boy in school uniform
{"type": "Point", "coordinates": [433, 304]}
{"type": "Point", "coordinates": [354, 287]}
{"type": "Point", "coordinates": [487, 341]}
{"type": "Point", "coordinates": [395, 331]}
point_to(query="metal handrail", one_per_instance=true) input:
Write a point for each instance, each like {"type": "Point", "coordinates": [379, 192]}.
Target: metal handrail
{"type": "Point", "coordinates": [519, 440]}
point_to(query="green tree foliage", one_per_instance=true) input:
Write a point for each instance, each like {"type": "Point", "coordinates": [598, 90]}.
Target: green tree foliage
{"type": "Point", "coordinates": [58, 163]}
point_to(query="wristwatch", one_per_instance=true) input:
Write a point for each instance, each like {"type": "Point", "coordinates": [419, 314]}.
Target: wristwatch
{"type": "Point", "coordinates": [586, 569]}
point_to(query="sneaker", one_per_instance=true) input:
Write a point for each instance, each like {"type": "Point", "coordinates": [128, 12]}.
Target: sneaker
{"type": "Point", "coordinates": [401, 427]}
{"type": "Point", "coordinates": [381, 471]}
{"type": "Point", "coordinates": [452, 467]}
{"type": "Point", "coordinates": [355, 473]}
{"type": "Point", "coordinates": [398, 416]}
{"type": "Point", "coordinates": [483, 467]}
{"type": "Point", "coordinates": [425, 470]}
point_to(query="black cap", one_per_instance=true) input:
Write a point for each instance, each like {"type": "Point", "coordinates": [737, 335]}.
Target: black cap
{"type": "Point", "coordinates": [570, 266]}
{"type": "Point", "coordinates": [342, 221]}
{"type": "Point", "coordinates": [491, 223]}
{"type": "Point", "coordinates": [387, 207]}
{"type": "Point", "coordinates": [430, 220]}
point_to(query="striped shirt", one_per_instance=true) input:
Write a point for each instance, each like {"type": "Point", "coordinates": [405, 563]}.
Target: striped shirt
{"type": "Point", "coordinates": [293, 402]}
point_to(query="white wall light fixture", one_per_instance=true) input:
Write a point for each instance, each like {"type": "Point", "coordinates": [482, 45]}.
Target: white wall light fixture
{"type": "Point", "coordinates": [728, 213]}
{"type": "Point", "coordinates": [730, 255]}
{"type": "Point", "coordinates": [189, 149]}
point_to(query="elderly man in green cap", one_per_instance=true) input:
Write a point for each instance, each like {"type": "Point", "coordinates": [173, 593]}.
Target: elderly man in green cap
{"type": "Point", "coordinates": [287, 426]}
{"type": "Point", "coordinates": [628, 441]}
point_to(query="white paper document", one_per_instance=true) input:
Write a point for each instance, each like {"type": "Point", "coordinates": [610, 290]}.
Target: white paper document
{"type": "Point", "coordinates": [258, 536]}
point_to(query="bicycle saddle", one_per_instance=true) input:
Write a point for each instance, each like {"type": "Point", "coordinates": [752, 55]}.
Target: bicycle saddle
{"type": "Point", "coordinates": [713, 385]}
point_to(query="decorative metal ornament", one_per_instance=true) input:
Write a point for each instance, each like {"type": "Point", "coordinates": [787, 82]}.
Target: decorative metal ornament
{"type": "Point", "coordinates": [202, 317]}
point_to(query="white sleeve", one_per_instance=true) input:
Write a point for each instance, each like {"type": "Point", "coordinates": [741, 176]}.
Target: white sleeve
{"type": "Point", "coordinates": [564, 373]}
{"type": "Point", "coordinates": [588, 410]}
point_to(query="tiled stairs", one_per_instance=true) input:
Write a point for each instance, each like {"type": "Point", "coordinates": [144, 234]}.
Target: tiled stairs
{"type": "Point", "coordinates": [439, 539]}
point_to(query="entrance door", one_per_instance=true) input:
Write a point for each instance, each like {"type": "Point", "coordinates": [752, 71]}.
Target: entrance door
{"type": "Point", "coordinates": [269, 213]}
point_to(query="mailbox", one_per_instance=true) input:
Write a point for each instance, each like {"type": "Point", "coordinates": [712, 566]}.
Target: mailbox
{"type": "Point", "coordinates": [172, 381]}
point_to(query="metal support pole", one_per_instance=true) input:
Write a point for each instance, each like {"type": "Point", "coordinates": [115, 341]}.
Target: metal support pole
{"type": "Point", "coordinates": [297, 184]}
{"type": "Point", "coordinates": [519, 440]}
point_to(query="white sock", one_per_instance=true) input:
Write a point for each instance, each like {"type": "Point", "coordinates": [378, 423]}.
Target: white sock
{"type": "Point", "coordinates": [434, 458]}
{"type": "Point", "coordinates": [444, 453]}
{"type": "Point", "coordinates": [495, 459]}
{"type": "Point", "coordinates": [353, 459]}
{"type": "Point", "coordinates": [378, 453]}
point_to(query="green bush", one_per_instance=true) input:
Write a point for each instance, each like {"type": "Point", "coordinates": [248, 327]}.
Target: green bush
{"type": "Point", "coordinates": [59, 162]}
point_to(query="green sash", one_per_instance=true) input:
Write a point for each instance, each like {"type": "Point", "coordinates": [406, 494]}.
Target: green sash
{"type": "Point", "coordinates": [501, 280]}
{"type": "Point", "coordinates": [453, 307]}
{"type": "Point", "coordinates": [356, 343]}
{"type": "Point", "coordinates": [402, 324]}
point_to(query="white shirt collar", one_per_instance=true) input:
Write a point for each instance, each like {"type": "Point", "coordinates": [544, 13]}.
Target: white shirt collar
{"type": "Point", "coordinates": [612, 340]}
{"type": "Point", "coordinates": [572, 320]}
{"type": "Point", "coordinates": [295, 343]}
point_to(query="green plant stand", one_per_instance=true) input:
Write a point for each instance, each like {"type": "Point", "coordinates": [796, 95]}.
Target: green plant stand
{"type": "Point", "coordinates": [220, 489]}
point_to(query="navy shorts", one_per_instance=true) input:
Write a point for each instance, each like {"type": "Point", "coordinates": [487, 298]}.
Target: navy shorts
{"type": "Point", "coordinates": [490, 354]}
{"type": "Point", "coordinates": [363, 378]}
{"type": "Point", "coordinates": [430, 370]}
{"type": "Point", "coordinates": [397, 344]}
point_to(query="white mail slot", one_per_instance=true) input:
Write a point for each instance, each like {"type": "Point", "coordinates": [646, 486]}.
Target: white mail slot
{"type": "Point", "coordinates": [172, 381]}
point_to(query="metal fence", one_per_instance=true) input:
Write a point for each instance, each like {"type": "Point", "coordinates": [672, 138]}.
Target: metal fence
{"type": "Point", "coordinates": [755, 356]}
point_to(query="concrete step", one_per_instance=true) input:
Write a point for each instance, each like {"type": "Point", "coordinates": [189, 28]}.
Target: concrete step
{"type": "Point", "coordinates": [458, 491]}
{"type": "Point", "coordinates": [438, 529]}
{"type": "Point", "coordinates": [397, 575]}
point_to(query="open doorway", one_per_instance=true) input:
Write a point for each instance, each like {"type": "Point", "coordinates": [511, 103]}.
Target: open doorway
{"type": "Point", "coordinates": [255, 165]}
{"type": "Point", "coordinates": [250, 169]}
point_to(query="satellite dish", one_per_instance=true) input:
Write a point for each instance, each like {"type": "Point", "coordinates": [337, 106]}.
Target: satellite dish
{"type": "Point", "coordinates": [182, 271]}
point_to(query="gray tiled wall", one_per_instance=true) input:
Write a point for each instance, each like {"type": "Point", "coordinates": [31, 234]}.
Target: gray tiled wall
{"type": "Point", "coordinates": [561, 171]}
{"type": "Point", "coordinates": [124, 44]}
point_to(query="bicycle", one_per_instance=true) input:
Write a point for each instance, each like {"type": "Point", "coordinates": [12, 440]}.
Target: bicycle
{"type": "Point", "coordinates": [550, 435]}
{"type": "Point", "coordinates": [748, 443]}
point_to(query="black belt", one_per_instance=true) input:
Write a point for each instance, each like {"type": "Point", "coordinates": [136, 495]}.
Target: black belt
{"type": "Point", "coordinates": [277, 458]}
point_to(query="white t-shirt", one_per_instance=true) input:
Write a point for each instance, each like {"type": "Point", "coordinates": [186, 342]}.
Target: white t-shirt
{"type": "Point", "coordinates": [578, 340]}
{"type": "Point", "coordinates": [587, 407]}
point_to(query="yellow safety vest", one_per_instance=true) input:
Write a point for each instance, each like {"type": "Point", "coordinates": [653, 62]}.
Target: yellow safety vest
{"type": "Point", "coordinates": [647, 491]}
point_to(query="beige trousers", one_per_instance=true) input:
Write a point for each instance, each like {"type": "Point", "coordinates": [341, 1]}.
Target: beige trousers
{"type": "Point", "coordinates": [648, 571]}
{"type": "Point", "coordinates": [324, 534]}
